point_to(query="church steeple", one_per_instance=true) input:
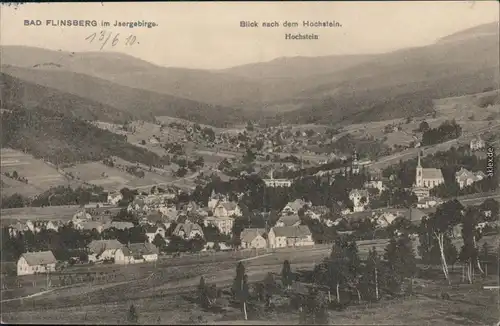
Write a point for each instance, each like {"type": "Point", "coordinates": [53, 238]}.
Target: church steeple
{"type": "Point", "coordinates": [419, 177]}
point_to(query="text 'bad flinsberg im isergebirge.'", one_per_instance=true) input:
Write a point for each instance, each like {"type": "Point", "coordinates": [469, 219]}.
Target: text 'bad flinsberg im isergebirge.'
{"type": "Point", "coordinates": [89, 23]}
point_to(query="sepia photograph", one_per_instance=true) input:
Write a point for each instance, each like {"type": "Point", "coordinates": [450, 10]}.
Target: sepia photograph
{"type": "Point", "coordinates": [250, 163]}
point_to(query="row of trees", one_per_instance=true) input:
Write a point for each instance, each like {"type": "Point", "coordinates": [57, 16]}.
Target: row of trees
{"type": "Point", "coordinates": [448, 130]}
{"type": "Point", "coordinates": [57, 196]}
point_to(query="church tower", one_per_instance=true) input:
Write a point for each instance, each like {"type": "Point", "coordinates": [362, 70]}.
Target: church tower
{"type": "Point", "coordinates": [355, 163]}
{"type": "Point", "coordinates": [419, 177]}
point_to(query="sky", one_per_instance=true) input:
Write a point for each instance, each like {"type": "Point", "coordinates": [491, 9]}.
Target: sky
{"type": "Point", "coordinates": [208, 35]}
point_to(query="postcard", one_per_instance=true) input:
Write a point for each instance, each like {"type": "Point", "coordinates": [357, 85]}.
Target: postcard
{"type": "Point", "coordinates": [225, 162]}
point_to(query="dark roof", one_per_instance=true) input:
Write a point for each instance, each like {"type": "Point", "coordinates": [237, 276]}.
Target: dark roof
{"type": "Point", "coordinates": [247, 235]}
{"type": "Point", "coordinates": [298, 231]}
{"type": "Point", "coordinates": [98, 246]}
{"type": "Point", "coordinates": [289, 220]}
{"type": "Point", "coordinates": [139, 249]}
{"type": "Point", "coordinates": [39, 258]}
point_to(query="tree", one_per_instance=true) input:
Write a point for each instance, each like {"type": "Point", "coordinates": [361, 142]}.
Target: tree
{"type": "Point", "coordinates": [424, 126]}
{"type": "Point", "coordinates": [269, 287]}
{"type": "Point", "coordinates": [159, 242]}
{"type": "Point", "coordinates": [469, 253]}
{"type": "Point", "coordinates": [401, 258]}
{"type": "Point", "coordinates": [314, 310]}
{"type": "Point", "coordinates": [132, 316]}
{"type": "Point", "coordinates": [286, 275]}
{"type": "Point", "coordinates": [333, 271]}
{"type": "Point", "coordinates": [440, 224]}
{"type": "Point", "coordinates": [353, 267]}
{"type": "Point", "coordinates": [240, 287]}
{"type": "Point", "coordinates": [372, 272]}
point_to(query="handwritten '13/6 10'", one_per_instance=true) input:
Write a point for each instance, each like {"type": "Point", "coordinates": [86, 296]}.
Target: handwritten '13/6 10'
{"type": "Point", "coordinates": [105, 37]}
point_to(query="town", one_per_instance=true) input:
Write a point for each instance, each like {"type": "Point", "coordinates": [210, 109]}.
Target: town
{"type": "Point", "coordinates": [306, 208]}
{"type": "Point", "coordinates": [231, 176]}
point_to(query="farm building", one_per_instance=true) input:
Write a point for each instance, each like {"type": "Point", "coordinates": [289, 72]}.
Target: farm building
{"type": "Point", "coordinates": [136, 253]}
{"type": "Point", "coordinates": [36, 262]}
{"type": "Point", "coordinates": [103, 249]}
{"type": "Point", "coordinates": [253, 238]}
{"type": "Point", "coordinates": [290, 236]}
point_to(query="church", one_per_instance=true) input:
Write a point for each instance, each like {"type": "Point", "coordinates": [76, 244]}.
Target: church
{"type": "Point", "coordinates": [427, 177]}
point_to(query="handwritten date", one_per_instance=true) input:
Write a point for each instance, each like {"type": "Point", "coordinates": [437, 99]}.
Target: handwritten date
{"type": "Point", "coordinates": [105, 38]}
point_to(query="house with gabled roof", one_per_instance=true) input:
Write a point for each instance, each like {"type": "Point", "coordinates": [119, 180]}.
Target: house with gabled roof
{"type": "Point", "coordinates": [188, 230]}
{"type": "Point", "coordinates": [290, 236]}
{"type": "Point", "coordinates": [465, 177]}
{"type": "Point", "coordinates": [316, 212]}
{"type": "Point", "coordinates": [92, 225]}
{"type": "Point", "coordinates": [253, 238]}
{"type": "Point", "coordinates": [288, 220]}
{"type": "Point", "coordinates": [134, 253]}
{"type": "Point", "coordinates": [227, 209]}
{"type": "Point", "coordinates": [100, 250]}
{"type": "Point", "coordinates": [36, 262]}
{"type": "Point", "coordinates": [293, 207]}
{"type": "Point", "coordinates": [119, 225]}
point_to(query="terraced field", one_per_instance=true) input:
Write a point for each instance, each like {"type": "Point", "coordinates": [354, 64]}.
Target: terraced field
{"type": "Point", "coordinates": [41, 175]}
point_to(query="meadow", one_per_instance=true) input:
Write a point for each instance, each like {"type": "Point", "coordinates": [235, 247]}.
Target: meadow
{"type": "Point", "coordinates": [41, 175]}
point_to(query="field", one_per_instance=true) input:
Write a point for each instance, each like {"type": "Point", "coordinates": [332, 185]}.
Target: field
{"type": "Point", "coordinates": [471, 112]}
{"type": "Point", "coordinates": [41, 176]}
{"type": "Point", "coordinates": [164, 295]}
{"type": "Point", "coordinates": [11, 186]}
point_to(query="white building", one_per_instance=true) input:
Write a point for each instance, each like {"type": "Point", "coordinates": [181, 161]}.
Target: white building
{"type": "Point", "coordinates": [227, 209]}
{"type": "Point", "coordinates": [136, 253]}
{"type": "Point", "coordinates": [465, 177]}
{"type": "Point", "coordinates": [360, 199]}
{"type": "Point", "coordinates": [290, 236]}
{"type": "Point", "coordinates": [36, 262]}
{"type": "Point", "coordinates": [293, 207]}
{"type": "Point", "coordinates": [428, 202]}
{"type": "Point", "coordinates": [375, 184]}
{"type": "Point", "coordinates": [223, 223]}
{"type": "Point", "coordinates": [100, 250]}
{"type": "Point", "coordinates": [114, 198]}
{"type": "Point", "coordinates": [428, 177]}
{"type": "Point", "coordinates": [253, 238]}
{"type": "Point", "coordinates": [274, 183]}
{"type": "Point", "coordinates": [477, 144]}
